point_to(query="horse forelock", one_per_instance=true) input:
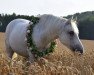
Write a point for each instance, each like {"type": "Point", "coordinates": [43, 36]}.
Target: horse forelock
{"type": "Point", "coordinates": [71, 25]}
{"type": "Point", "coordinates": [74, 26]}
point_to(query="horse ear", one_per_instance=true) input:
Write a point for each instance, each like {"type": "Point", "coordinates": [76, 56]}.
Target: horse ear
{"type": "Point", "coordinates": [72, 17]}
{"type": "Point", "coordinates": [69, 21]}
{"type": "Point", "coordinates": [75, 19]}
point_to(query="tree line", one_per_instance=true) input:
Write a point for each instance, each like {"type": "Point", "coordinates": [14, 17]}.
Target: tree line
{"type": "Point", "coordinates": [6, 18]}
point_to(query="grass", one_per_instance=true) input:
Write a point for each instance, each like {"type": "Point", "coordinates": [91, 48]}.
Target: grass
{"type": "Point", "coordinates": [61, 62]}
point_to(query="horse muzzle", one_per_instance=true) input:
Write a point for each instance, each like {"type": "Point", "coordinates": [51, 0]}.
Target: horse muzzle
{"type": "Point", "coordinates": [78, 48]}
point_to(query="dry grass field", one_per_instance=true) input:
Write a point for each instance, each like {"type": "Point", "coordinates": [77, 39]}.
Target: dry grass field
{"type": "Point", "coordinates": [61, 62]}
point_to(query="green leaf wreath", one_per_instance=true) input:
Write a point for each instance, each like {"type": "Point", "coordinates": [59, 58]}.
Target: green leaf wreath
{"type": "Point", "coordinates": [31, 46]}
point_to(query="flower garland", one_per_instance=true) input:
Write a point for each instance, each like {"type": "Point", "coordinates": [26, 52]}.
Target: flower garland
{"type": "Point", "coordinates": [31, 46]}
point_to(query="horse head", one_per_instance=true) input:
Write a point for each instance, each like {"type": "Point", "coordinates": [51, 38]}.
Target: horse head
{"type": "Point", "coordinates": [69, 36]}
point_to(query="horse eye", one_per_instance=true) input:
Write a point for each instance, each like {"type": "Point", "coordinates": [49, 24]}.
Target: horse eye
{"type": "Point", "coordinates": [71, 33]}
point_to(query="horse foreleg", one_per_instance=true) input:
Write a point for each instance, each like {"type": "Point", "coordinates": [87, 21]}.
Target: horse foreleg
{"type": "Point", "coordinates": [31, 56]}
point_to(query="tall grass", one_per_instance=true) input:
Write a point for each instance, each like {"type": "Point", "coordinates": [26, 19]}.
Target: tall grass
{"type": "Point", "coordinates": [60, 62]}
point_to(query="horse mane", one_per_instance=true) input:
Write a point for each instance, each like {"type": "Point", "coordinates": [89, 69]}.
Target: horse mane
{"type": "Point", "coordinates": [48, 19]}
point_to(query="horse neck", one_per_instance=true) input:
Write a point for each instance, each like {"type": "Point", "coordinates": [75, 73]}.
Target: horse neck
{"type": "Point", "coordinates": [46, 30]}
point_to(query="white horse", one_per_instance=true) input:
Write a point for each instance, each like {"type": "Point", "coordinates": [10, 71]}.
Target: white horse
{"type": "Point", "coordinates": [46, 30]}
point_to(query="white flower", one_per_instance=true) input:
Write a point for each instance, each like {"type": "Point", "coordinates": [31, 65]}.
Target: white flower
{"type": "Point", "coordinates": [30, 23]}
{"type": "Point", "coordinates": [28, 44]}
{"type": "Point", "coordinates": [56, 45]}
{"type": "Point", "coordinates": [28, 31]}
{"type": "Point", "coordinates": [25, 39]}
{"type": "Point", "coordinates": [30, 48]}
{"type": "Point", "coordinates": [27, 49]}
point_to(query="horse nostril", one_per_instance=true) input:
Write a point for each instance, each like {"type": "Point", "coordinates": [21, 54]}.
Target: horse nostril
{"type": "Point", "coordinates": [78, 49]}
